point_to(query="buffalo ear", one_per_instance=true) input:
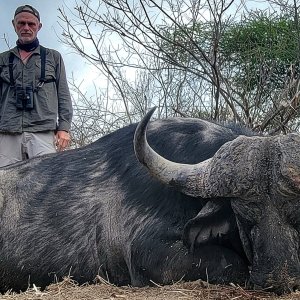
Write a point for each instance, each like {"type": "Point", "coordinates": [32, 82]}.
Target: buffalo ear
{"type": "Point", "coordinates": [214, 224]}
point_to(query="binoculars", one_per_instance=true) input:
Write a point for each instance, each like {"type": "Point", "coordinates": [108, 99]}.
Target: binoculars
{"type": "Point", "coordinates": [24, 97]}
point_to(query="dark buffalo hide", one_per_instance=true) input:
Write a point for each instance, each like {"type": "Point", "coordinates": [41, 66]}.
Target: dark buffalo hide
{"type": "Point", "coordinates": [97, 211]}
{"type": "Point", "coordinates": [260, 177]}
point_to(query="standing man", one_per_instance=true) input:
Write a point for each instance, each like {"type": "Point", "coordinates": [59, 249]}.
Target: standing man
{"type": "Point", "coordinates": [35, 102]}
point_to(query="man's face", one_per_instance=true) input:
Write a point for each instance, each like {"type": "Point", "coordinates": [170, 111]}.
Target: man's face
{"type": "Point", "coordinates": [26, 26]}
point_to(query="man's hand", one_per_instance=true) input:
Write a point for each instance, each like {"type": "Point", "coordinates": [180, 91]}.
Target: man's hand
{"type": "Point", "coordinates": [63, 140]}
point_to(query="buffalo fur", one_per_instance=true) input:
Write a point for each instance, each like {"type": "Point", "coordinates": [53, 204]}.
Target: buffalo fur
{"type": "Point", "coordinates": [96, 211]}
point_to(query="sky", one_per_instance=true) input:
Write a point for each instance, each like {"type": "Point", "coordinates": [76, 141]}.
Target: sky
{"type": "Point", "coordinates": [48, 35]}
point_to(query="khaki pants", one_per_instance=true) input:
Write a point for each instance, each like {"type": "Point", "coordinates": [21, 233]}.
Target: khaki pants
{"type": "Point", "coordinates": [18, 147]}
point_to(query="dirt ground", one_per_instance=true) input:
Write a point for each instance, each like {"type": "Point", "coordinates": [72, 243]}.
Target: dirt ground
{"type": "Point", "coordinates": [68, 290]}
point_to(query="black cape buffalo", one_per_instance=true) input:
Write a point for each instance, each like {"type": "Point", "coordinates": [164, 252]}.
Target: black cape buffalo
{"type": "Point", "coordinates": [259, 177]}
{"type": "Point", "coordinates": [228, 215]}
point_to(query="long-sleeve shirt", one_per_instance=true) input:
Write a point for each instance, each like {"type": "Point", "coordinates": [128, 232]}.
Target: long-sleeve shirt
{"type": "Point", "coordinates": [52, 104]}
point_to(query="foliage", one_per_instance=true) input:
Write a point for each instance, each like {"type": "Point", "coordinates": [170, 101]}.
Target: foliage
{"type": "Point", "coordinates": [190, 58]}
{"type": "Point", "coordinates": [261, 48]}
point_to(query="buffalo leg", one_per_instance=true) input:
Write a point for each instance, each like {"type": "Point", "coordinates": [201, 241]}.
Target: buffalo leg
{"type": "Point", "coordinates": [171, 263]}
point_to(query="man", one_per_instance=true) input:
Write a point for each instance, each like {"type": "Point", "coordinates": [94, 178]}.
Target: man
{"type": "Point", "coordinates": [35, 103]}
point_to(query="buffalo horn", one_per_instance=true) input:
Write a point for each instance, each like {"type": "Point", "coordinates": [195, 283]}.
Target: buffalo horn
{"type": "Point", "coordinates": [189, 179]}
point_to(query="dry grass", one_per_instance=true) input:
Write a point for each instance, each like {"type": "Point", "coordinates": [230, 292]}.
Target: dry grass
{"type": "Point", "coordinates": [69, 290]}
